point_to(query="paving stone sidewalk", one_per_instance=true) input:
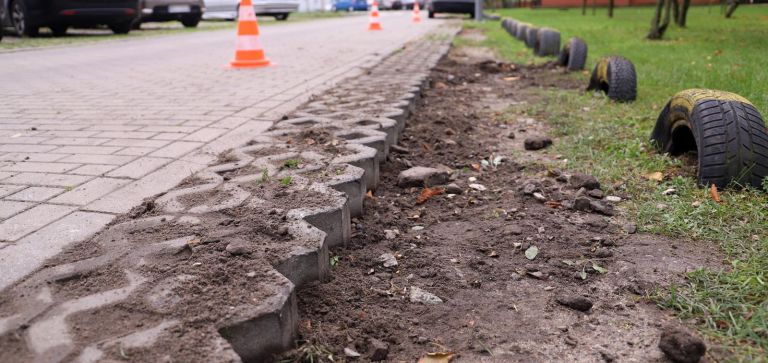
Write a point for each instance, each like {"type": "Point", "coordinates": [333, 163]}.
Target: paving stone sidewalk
{"type": "Point", "coordinates": [88, 132]}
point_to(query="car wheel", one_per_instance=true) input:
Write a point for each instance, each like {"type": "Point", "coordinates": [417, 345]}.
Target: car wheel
{"type": "Point", "coordinates": [283, 16]}
{"type": "Point", "coordinates": [20, 20]}
{"type": "Point", "coordinates": [616, 77]}
{"type": "Point", "coordinates": [59, 30]}
{"type": "Point", "coordinates": [136, 25]}
{"type": "Point", "coordinates": [431, 14]}
{"type": "Point", "coordinates": [122, 27]}
{"type": "Point", "coordinates": [724, 129]}
{"type": "Point", "coordinates": [190, 21]}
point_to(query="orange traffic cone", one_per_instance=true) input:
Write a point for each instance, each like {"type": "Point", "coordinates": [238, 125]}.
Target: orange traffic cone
{"type": "Point", "coordinates": [374, 23]}
{"type": "Point", "coordinates": [249, 52]}
{"type": "Point", "coordinates": [416, 18]}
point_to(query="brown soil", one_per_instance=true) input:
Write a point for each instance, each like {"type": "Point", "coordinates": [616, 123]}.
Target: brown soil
{"type": "Point", "coordinates": [499, 305]}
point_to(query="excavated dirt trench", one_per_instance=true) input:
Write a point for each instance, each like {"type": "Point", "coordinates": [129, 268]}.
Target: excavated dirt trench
{"type": "Point", "coordinates": [469, 249]}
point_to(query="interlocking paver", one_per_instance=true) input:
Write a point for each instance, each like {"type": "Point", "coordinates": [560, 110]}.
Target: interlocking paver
{"type": "Point", "coordinates": [94, 123]}
{"type": "Point", "coordinates": [41, 167]}
{"type": "Point", "coordinates": [89, 191]}
{"type": "Point", "coordinates": [35, 194]}
{"type": "Point", "coordinates": [33, 219]}
{"type": "Point", "coordinates": [25, 255]}
{"type": "Point", "coordinates": [139, 167]}
{"type": "Point", "coordinates": [49, 179]}
{"type": "Point", "coordinates": [9, 208]}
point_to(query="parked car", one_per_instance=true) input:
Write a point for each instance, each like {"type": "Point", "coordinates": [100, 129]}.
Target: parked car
{"type": "Point", "coordinates": [227, 9]}
{"type": "Point", "coordinates": [26, 17]}
{"type": "Point", "coordinates": [188, 12]}
{"type": "Point", "coordinates": [350, 5]}
{"type": "Point", "coordinates": [451, 7]}
{"type": "Point", "coordinates": [397, 5]}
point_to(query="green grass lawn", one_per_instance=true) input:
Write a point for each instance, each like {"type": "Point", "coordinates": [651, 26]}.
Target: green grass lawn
{"type": "Point", "coordinates": [80, 36]}
{"type": "Point", "coordinates": [610, 140]}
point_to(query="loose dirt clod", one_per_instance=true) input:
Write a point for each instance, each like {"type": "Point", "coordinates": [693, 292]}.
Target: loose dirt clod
{"type": "Point", "coordinates": [537, 142]}
{"type": "Point", "coordinates": [575, 302]}
{"type": "Point", "coordinates": [681, 346]}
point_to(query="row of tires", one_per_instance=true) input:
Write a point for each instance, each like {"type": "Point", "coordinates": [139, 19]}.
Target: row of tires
{"type": "Point", "coordinates": [725, 130]}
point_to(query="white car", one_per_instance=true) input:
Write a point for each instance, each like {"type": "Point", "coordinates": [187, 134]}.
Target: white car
{"type": "Point", "coordinates": [227, 9]}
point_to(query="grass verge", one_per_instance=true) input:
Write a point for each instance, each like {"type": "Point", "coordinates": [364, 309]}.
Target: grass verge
{"type": "Point", "coordinates": [610, 140]}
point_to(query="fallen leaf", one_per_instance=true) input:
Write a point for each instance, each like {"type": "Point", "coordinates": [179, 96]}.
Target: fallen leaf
{"type": "Point", "coordinates": [583, 274]}
{"type": "Point", "coordinates": [553, 204]}
{"type": "Point", "coordinates": [426, 146]}
{"type": "Point", "coordinates": [568, 262]}
{"type": "Point", "coordinates": [715, 194]}
{"type": "Point", "coordinates": [477, 167]}
{"type": "Point", "coordinates": [657, 176]}
{"type": "Point", "coordinates": [428, 193]}
{"type": "Point", "coordinates": [599, 269]}
{"type": "Point", "coordinates": [511, 79]}
{"type": "Point", "coordinates": [370, 195]}
{"type": "Point", "coordinates": [531, 252]}
{"type": "Point", "coordinates": [437, 357]}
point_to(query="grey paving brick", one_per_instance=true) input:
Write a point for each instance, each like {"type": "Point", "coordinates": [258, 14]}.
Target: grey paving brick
{"type": "Point", "coordinates": [9, 208]}
{"type": "Point", "coordinates": [100, 150]}
{"type": "Point", "coordinates": [122, 200]}
{"type": "Point", "coordinates": [6, 189]}
{"type": "Point", "coordinates": [93, 169]}
{"type": "Point", "coordinates": [139, 167]}
{"type": "Point", "coordinates": [126, 134]}
{"type": "Point", "coordinates": [22, 140]}
{"type": "Point", "coordinates": [44, 157]}
{"type": "Point", "coordinates": [76, 141]}
{"type": "Point", "coordinates": [25, 148]}
{"type": "Point", "coordinates": [99, 159]}
{"type": "Point", "coordinates": [40, 167]}
{"type": "Point", "coordinates": [137, 143]}
{"type": "Point", "coordinates": [31, 220]}
{"type": "Point", "coordinates": [29, 253]}
{"type": "Point", "coordinates": [49, 179]}
{"type": "Point", "coordinates": [35, 194]}
{"type": "Point", "coordinates": [205, 135]}
{"type": "Point", "coordinates": [176, 149]}
{"type": "Point", "coordinates": [89, 191]}
{"type": "Point", "coordinates": [6, 174]}
{"type": "Point", "coordinates": [135, 151]}
{"type": "Point", "coordinates": [169, 136]}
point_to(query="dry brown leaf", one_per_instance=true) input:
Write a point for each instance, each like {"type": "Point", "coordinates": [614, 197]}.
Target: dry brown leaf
{"type": "Point", "coordinates": [511, 79]}
{"type": "Point", "coordinates": [438, 357]}
{"type": "Point", "coordinates": [715, 194]}
{"type": "Point", "coordinates": [553, 204]}
{"type": "Point", "coordinates": [429, 193]}
{"type": "Point", "coordinates": [370, 195]}
{"type": "Point", "coordinates": [426, 146]}
{"type": "Point", "coordinates": [656, 175]}
{"type": "Point", "coordinates": [476, 166]}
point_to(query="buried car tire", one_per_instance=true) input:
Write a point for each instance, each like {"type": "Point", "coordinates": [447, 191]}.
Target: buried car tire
{"type": "Point", "coordinates": [530, 37]}
{"type": "Point", "coordinates": [574, 55]}
{"type": "Point", "coordinates": [616, 77]}
{"type": "Point", "coordinates": [724, 128]}
{"type": "Point", "coordinates": [547, 42]}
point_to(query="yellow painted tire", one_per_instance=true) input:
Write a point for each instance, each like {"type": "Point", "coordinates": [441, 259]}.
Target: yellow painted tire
{"type": "Point", "coordinates": [615, 76]}
{"type": "Point", "coordinates": [726, 131]}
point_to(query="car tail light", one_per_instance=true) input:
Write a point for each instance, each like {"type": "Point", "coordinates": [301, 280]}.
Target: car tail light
{"type": "Point", "coordinates": [130, 11]}
{"type": "Point", "coordinates": [68, 12]}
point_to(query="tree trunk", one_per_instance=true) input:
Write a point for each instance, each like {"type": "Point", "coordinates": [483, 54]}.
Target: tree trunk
{"type": "Point", "coordinates": [732, 5]}
{"type": "Point", "coordinates": [583, 7]}
{"type": "Point", "coordinates": [675, 10]}
{"type": "Point", "coordinates": [683, 13]}
{"type": "Point", "coordinates": [610, 8]}
{"type": "Point", "coordinates": [658, 27]}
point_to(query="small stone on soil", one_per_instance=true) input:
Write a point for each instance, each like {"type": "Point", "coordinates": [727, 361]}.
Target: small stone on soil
{"type": "Point", "coordinates": [422, 176]}
{"type": "Point", "coordinates": [420, 296]}
{"type": "Point", "coordinates": [388, 260]}
{"type": "Point", "coordinates": [399, 149]}
{"type": "Point", "coordinates": [453, 188]}
{"type": "Point", "coordinates": [581, 204]}
{"type": "Point", "coordinates": [602, 208]}
{"type": "Point", "coordinates": [630, 228]}
{"type": "Point", "coordinates": [478, 187]}
{"type": "Point", "coordinates": [349, 352]}
{"type": "Point", "coordinates": [580, 180]}
{"type": "Point", "coordinates": [537, 142]}
{"type": "Point", "coordinates": [613, 199]}
{"type": "Point", "coordinates": [681, 346]}
{"type": "Point", "coordinates": [238, 247]}
{"type": "Point", "coordinates": [379, 350]}
{"type": "Point", "coordinates": [575, 302]}
{"type": "Point", "coordinates": [540, 197]}
{"type": "Point", "coordinates": [596, 193]}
